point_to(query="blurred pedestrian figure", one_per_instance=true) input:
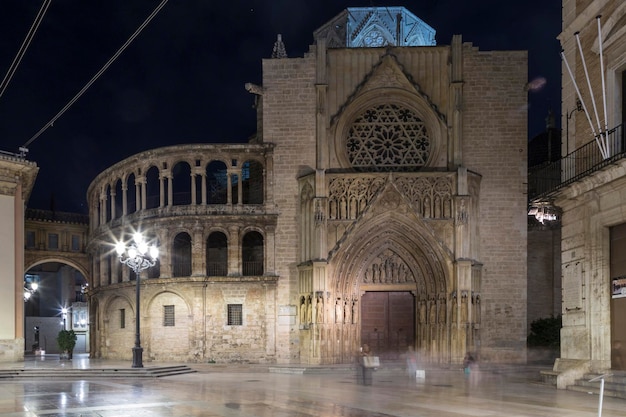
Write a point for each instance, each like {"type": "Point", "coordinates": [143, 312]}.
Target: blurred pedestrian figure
{"type": "Point", "coordinates": [468, 363]}
{"type": "Point", "coordinates": [411, 362]}
{"type": "Point", "coordinates": [470, 367]}
{"type": "Point", "coordinates": [366, 368]}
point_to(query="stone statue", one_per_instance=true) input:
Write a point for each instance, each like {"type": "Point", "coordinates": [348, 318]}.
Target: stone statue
{"type": "Point", "coordinates": [320, 310]}
{"type": "Point", "coordinates": [355, 311]}
{"type": "Point", "coordinates": [303, 310]}
{"type": "Point", "coordinates": [309, 312]}
{"type": "Point", "coordinates": [347, 312]}
{"type": "Point", "coordinates": [338, 311]}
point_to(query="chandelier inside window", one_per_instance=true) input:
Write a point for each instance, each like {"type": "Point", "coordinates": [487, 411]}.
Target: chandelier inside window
{"type": "Point", "coordinates": [388, 137]}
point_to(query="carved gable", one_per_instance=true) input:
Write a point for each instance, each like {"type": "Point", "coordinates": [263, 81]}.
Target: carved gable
{"type": "Point", "coordinates": [388, 74]}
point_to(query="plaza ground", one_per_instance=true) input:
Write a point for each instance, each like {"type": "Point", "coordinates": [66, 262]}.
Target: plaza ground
{"type": "Point", "coordinates": [264, 391]}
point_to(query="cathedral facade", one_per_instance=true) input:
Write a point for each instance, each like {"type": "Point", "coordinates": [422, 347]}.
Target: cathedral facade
{"type": "Point", "coordinates": [381, 202]}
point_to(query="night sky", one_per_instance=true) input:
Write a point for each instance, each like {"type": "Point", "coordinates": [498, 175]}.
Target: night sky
{"type": "Point", "coordinates": [182, 79]}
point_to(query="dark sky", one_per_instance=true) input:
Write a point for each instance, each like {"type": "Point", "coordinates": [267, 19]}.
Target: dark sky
{"type": "Point", "coordinates": [182, 80]}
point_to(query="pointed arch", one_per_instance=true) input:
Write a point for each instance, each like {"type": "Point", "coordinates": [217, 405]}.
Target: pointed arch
{"type": "Point", "coordinates": [392, 236]}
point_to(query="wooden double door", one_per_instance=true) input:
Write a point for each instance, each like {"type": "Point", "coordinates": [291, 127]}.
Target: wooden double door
{"type": "Point", "coordinates": [388, 322]}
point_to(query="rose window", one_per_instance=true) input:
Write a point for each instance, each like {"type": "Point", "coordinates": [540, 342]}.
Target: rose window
{"type": "Point", "coordinates": [388, 137]}
{"type": "Point", "coordinates": [374, 39]}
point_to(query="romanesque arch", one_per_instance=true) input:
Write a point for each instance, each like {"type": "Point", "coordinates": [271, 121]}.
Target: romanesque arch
{"type": "Point", "coordinates": [168, 326]}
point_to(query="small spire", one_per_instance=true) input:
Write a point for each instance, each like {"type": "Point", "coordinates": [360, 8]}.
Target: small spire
{"type": "Point", "coordinates": [279, 48]}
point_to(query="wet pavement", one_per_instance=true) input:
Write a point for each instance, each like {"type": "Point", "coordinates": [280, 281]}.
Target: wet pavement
{"type": "Point", "coordinates": [252, 390]}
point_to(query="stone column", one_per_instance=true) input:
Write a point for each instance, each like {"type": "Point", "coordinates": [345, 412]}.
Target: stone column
{"type": "Point", "coordinates": [229, 189]}
{"type": "Point", "coordinates": [234, 252]}
{"type": "Point", "coordinates": [193, 189]}
{"type": "Point", "coordinates": [270, 254]}
{"type": "Point", "coordinates": [124, 199]}
{"type": "Point", "coordinates": [239, 188]}
{"type": "Point", "coordinates": [170, 191]}
{"type": "Point", "coordinates": [112, 202]}
{"type": "Point", "coordinates": [198, 252]}
{"type": "Point", "coordinates": [203, 174]}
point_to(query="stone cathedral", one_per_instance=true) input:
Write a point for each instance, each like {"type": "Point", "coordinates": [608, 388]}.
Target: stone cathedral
{"type": "Point", "coordinates": [382, 201]}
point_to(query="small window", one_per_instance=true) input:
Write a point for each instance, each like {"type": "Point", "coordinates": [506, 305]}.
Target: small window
{"type": "Point", "coordinates": [122, 318]}
{"type": "Point", "coordinates": [30, 239]}
{"type": "Point", "coordinates": [168, 316]}
{"type": "Point", "coordinates": [235, 315]}
{"type": "Point", "coordinates": [53, 241]}
{"type": "Point", "coordinates": [75, 243]}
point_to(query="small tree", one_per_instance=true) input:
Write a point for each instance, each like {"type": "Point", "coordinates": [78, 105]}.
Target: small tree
{"type": "Point", "coordinates": [545, 332]}
{"type": "Point", "coordinates": [66, 340]}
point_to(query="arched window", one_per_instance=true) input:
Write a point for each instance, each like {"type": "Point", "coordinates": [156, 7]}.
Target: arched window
{"type": "Point", "coordinates": [252, 182]}
{"type": "Point", "coordinates": [131, 194]}
{"type": "Point", "coordinates": [216, 182]}
{"type": "Point", "coordinates": [153, 188]}
{"type": "Point", "coordinates": [118, 199]}
{"type": "Point", "coordinates": [307, 222]}
{"type": "Point", "coordinates": [217, 255]}
{"type": "Point", "coordinates": [107, 203]}
{"type": "Point", "coordinates": [181, 255]}
{"type": "Point", "coordinates": [252, 253]}
{"type": "Point", "coordinates": [181, 184]}
{"type": "Point", "coordinates": [234, 186]}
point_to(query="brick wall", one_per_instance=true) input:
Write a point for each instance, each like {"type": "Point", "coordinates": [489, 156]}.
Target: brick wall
{"type": "Point", "coordinates": [289, 123]}
{"type": "Point", "coordinates": [495, 146]}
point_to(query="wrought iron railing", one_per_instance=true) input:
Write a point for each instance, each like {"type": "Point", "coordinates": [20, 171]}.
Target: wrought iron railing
{"type": "Point", "coordinates": [252, 268]}
{"type": "Point", "coordinates": [545, 180]}
{"type": "Point", "coordinates": [217, 269]}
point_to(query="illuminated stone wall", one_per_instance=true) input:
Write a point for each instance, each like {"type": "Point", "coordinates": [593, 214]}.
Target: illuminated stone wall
{"type": "Point", "coordinates": [592, 205]}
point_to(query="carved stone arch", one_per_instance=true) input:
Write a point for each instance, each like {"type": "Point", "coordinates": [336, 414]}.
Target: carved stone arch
{"type": "Point", "coordinates": [81, 264]}
{"type": "Point", "coordinates": [306, 219]}
{"type": "Point", "coordinates": [107, 301]}
{"type": "Point", "coordinates": [429, 265]}
{"type": "Point", "coordinates": [403, 100]}
{"type": "Point", "coordinates": [216, 228]}
{"type": "Point", "coordinates": [252, 228]}
{"type": "Point", "coordinates": [218, 158]}
{"type": "Point", "coordinates": [151, 299]}
{"type": "Point", "coordinates": [154, 311]}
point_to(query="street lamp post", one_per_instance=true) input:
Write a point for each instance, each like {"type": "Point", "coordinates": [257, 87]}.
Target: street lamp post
{"type": "Point", "coordinates": [137, 256]}
{"type": "Point", "coordinates": [64, 315]}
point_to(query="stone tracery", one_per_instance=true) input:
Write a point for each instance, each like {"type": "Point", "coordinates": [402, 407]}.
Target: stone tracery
{"type": "Point", "coordinates": [388, 136]}
{"type": "Point", "coordinates": [349, 196]}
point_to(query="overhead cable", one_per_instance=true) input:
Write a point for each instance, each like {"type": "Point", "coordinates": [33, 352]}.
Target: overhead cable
{"type": "Point", "coordinates": [25, 44]}
{"type": "Point", "coordinates": [98, 74]}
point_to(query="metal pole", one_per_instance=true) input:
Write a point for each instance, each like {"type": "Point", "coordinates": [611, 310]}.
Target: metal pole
{"type": "Point", "coordinates": [601, 397]}
{"type": "Point", "coordinates": [137, 350]}
{"type": "Point", "coordinates": [601, 379]}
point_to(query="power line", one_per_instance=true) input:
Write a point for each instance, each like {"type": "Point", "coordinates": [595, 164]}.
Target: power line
{"type": "Point", "coordinates": [98, 74]}
{"type": "Point", "coordinates": [25, 44]}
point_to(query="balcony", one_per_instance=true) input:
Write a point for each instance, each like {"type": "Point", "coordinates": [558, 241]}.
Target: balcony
{"type": "Point", "coordinates": [546, 180]}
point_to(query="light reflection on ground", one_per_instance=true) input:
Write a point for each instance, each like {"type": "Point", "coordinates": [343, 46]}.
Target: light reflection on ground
{"type": "Point", "coordinates": [255, 392]}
